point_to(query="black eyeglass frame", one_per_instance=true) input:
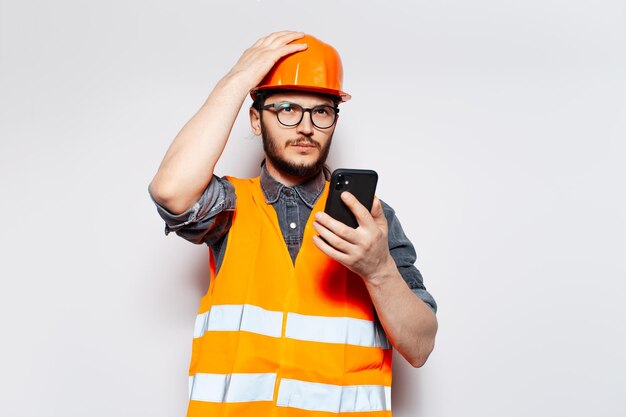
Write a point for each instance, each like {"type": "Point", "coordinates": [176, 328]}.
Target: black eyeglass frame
{"type": "Point", "coordinates": [277, 107]}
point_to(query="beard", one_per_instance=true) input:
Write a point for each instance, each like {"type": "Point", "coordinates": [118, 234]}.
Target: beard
{"type": "Point", "coordinates": [273, 153]}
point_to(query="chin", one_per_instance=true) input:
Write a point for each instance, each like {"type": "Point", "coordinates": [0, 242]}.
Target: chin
{"type": "Point", "coordinates": [298, 158]}
{"type": "Point", "coordinates": [300, 168]}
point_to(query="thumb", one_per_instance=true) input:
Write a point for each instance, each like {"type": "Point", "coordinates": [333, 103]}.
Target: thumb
{"type": "Point", "coordinates": [378, 213]}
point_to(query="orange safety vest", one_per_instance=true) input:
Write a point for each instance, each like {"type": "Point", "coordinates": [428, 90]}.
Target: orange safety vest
{"type": "Point", "coordinates": [277, 339]}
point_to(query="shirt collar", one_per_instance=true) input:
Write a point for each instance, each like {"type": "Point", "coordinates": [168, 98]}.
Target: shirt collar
{"type": "Point", "coordinates": [309, 191]}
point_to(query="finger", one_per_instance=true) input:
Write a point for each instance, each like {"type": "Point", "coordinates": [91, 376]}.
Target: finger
{"type": "Point", "coordinates": [363, 216]}
{"type": "Point", "coordinates": [292, 48]}
{"type": "Point", "coordinates": [269, 38]}
{"type": "Point", "coordinates": [332, 239]}
{"type": "Point", "coordinates": [258, 42]}
{"type": "Point", "coordinates": [378, 214]}
{"type": "Point", "coordinates": [377, 208]}
{"type": "Point", "coordinates": [287, 37]}
{"type": "Point", "coordinates": [282, 38]}
{"type": "Point", "coordinates": [279, 45]}
{"type": "Point", "coordinates": [329, 250]}
{"type": "Point", "coordinates": [283, 50]}
{"type": "Point", "coordinates": [271, 55]}
{"type": "Point", "coordinates": [335, 226]}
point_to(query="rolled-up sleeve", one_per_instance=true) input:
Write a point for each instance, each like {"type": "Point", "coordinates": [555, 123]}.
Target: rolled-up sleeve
{"type": "Point", "coordinates": [404, 255]}
{"type": "Point", "coordinates": [208, 220]}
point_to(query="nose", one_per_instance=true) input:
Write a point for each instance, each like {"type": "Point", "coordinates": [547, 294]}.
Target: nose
{"type": "Point", "coordinates": [305, 126]}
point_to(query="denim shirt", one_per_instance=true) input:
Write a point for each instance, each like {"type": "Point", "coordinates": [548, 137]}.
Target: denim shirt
{"type": "Point", "coordinates": [209, 220]}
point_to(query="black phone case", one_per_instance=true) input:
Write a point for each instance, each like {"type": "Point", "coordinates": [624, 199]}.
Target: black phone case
{"type": "Point", "coordinates": [359, 182]}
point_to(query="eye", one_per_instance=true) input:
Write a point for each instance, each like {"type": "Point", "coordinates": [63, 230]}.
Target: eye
{"type": "Point", "coordinates": [322, 110]}
{"type": "Point", "coordinates": [285, 108]}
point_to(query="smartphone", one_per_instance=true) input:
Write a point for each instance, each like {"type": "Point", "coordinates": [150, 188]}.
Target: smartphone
{"type": "Point", "coordinates": [359, 182]}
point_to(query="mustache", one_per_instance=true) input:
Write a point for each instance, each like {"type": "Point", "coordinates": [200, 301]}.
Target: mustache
{"type": "Point", "coordinates": [303, 140]}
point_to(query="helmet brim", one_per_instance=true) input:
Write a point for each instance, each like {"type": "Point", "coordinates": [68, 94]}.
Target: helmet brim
{"type": "Point", "coordinates": [343, 96]}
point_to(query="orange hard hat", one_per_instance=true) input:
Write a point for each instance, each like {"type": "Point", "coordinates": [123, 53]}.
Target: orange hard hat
{"type": "Point", "coordinates": [317, 69]}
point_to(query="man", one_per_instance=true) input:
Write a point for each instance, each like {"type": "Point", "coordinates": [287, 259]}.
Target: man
{"type": "Point", "coordinates": [302, 310]}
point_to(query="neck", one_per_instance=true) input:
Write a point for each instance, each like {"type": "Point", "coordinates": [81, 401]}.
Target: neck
{"type": "Point", "coordinates": [285, 178]}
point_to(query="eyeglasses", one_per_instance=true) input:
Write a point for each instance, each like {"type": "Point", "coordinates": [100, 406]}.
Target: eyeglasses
{"type": "Point", "coordinates": [291, 114]}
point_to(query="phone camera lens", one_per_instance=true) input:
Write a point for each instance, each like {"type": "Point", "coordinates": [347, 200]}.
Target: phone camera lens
{"type": "Point", "coordinates": [339, 183]}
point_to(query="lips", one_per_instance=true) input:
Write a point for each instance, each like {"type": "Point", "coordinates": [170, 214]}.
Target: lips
{"type": "Point", "coordinates": [304, 144]}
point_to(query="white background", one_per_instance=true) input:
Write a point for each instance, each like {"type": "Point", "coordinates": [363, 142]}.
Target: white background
{"type": "Point", "coordinates": [497, 127]}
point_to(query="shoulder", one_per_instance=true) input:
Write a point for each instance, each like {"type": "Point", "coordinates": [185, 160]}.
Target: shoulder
{"type": "Point", "coordinates": [395, 233]}
{"type": "Point", "coordinates": [390, 213]}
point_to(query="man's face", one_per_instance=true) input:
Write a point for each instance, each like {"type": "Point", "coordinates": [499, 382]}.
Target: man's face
{"type": "Point", "coordinates": [298, 151]}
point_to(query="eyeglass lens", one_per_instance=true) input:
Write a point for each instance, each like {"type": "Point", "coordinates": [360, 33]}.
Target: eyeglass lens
{"type": "Point", "coordinates": [290, 114]}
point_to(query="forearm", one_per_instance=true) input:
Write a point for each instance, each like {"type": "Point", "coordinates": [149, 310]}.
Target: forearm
{"type": "Point", "coordinates": [409, 323]}
{"type": "Point", "coordinates": [188, 164]}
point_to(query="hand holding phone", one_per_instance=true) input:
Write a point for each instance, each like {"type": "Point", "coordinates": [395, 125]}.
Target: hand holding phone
{"type": "Point", "coordinates": [359, 182]}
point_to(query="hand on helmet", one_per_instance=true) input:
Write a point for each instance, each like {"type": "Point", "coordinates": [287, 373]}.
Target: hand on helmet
{"type": "Point", "coordinates": [259, 59]}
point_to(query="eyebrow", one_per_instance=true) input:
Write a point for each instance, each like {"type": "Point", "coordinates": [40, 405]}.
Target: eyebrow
{"type": "Point", "coordinates": [294, 102]}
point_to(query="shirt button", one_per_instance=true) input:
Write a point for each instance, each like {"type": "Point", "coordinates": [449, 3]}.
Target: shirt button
{"type": "Point", "coordinates": [292, 225]}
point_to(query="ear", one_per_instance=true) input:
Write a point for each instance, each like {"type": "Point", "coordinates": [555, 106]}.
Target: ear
{"type": "Point", "coordinates": [255, 121]}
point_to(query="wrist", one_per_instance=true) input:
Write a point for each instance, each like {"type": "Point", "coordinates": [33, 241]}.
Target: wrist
{"type": "Point", "coordinates": [229, 92]}
{"type": "Point", "coordinates": [238, 79]}
{"type": "Point", "coordinates": [385, 271]}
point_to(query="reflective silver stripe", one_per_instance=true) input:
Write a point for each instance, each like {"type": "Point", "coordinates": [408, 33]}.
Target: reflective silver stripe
{"type": "Point", "coordinates": [336, 330]}
{"type": "Point", "coordinates": [231, 388]}
{"type": "Point", "coordinates": [333, 398]}
{"type": "Point", "coordinates": [251, 318]}
{"type": "Point", "coordinates": [244, 317]}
